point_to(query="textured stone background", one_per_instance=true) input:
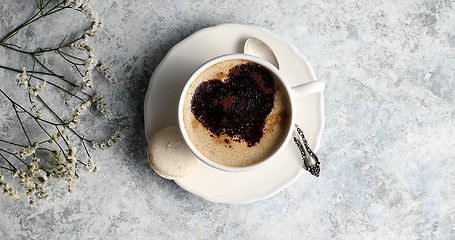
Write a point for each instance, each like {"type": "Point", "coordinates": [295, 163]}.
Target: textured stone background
{"type": "Point", "coordinates": [387, 151]}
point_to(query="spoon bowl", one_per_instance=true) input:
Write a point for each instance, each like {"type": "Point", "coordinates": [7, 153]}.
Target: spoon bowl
{"type": "Point", "coordinates": [258, 48]}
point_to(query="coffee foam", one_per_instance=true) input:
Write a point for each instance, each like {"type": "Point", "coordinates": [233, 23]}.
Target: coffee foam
{"type": "Point", "coordinates": [225, 150]}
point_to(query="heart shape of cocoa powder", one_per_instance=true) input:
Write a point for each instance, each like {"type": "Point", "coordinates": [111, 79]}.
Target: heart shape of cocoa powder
{"type": "Point", "coordinates": [238, 106]}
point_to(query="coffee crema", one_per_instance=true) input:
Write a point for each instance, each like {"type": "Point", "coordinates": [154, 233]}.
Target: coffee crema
{"type": "Point", "coordinates": [236, 113]}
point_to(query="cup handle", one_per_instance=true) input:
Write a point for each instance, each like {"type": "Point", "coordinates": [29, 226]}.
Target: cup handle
{"type": "Point", "coordinates": [308, 88]}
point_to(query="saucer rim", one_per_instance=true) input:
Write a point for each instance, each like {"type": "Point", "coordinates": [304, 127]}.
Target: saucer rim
{"type": "Point", "coordinates": [296, 53]}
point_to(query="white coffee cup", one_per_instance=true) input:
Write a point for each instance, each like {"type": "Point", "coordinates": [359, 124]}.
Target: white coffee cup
{"type": "Point", "coordinates": [298, 91]}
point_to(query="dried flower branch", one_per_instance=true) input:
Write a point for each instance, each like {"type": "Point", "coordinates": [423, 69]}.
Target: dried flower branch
{"type": "Point", "coordinates": [55, 155]}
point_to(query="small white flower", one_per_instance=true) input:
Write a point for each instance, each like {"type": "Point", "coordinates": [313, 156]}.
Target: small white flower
{"type": "Point", "coordinates": [88, 11]}
{"type": "Point", "coordinates": [35, 109]}
{"type": "Point", "coordinates": [43, 194]}
{"type": "Point", "coordinates": [87, 85]}
{"type": "Point", "coordinates": [81, 45]}
{"type": "Point", "coordinates": [80, 110]}
{"type": "Point", "coordinates": [22, 79]}
{"type": "Point", "coordinates": [71, 150]}
{"type": "Point", "coordinates": [87, 81]}
{"type": "Point", "coordinates": [73, 3]}
{"type": "Point", "coordinates": [34, 90]}
{"type": "Point", "coordinates": [97, 24]}
{"type": "Point", "coordinates": [91, 166]}
{"type": "Point", "coordinates": [106, 70]}
{"type": "Point", "coordinates": [71, 125]}
{"type": "Point", "coordinates": [102, 107]}
{"type": "Point", "coordinates": [103, 146]}
{"type": "Point", "coordinates": [37, 172]}
{"type": "Point", "coordinates": [15, 173]}
{"type": "Point", "coordinates": [28, 151]}
{"type": "Point", "coordinates": [87, 76]}
{"type": "Point", "coordinates": [42, 176]}
{"type": "Point", "coordinates": [95, 145]}
{"type": "Point", "coordinates": [32, 167]}
{"type": "Point", "coordinates": [53, 138]}
{"type": "Point", "coordinates": [71, 160]}
{"type": "Point", "coordinates": [91, 61]}
{"type": "Point", "coordinates": [8, 190]}
{"type": "Point", "coordinates": [117, 137]}
{"type": "Point", "coordinates": [29, 185]}
{"type": "Point", "coordinates": [114, 139]}
{"type": "Point", "coordinates": [62, 133]}
{"type": "Point", "coordinates": [86, 104]}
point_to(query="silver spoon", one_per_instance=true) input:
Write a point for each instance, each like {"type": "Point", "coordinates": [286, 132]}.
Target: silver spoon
{"type": "Point", "coordinates": [258, 48]}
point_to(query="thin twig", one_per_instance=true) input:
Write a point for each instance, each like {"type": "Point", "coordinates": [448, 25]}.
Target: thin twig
{"type": "Point", "coordinates": [47, 133]}
{"type": "Point", "coordinates": [28, 22]}
{"type": "Point", "coordinates": [24, 110]}
{"type": "Point", "coordinates": [71, 62]}
{"type": "Point", "coordinates": [12, 170]}
{"type": "Point", "coordinates": [67, 125]}
{"type": "Point", "coordinates": [14, 155]}
{"type": "Point", "coordinates": [83, 144]}
{"type": "Point", "coordinates": [15, 144]}
{"type": "Point", "coordinates": [6, 159]}
{"type": "Point", "coordinates": [71, 56]}
{"type": "Point", "coordinates": [20, 121]}
{"type": "Point", "coordinates": [45, 158]}
{"type": "Point", "coordinates": [37, 72]}
{"type": "Point", "coordinates": [52, 72]}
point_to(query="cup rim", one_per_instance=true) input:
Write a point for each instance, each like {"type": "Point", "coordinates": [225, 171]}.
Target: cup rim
{"type": "Point", "coordinates": [202, 68]}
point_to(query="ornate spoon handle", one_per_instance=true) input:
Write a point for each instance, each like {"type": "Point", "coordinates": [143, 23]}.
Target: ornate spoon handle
{"type": "Point", "coordinates": [310, 160]}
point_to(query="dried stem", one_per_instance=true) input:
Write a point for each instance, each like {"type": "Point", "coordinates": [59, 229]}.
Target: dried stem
{"type": "Point", "coordinates": [29, 154]}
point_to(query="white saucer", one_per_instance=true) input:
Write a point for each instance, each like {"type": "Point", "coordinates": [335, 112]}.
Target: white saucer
{"type": "Point", "coordinates": [163, 93]}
